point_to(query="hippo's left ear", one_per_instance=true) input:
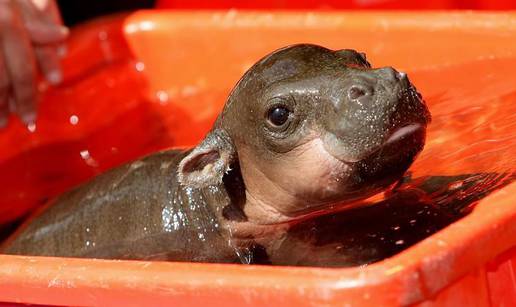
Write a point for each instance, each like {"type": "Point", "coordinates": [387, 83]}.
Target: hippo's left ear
{"type": "Point", "coordinates": [206, 164]}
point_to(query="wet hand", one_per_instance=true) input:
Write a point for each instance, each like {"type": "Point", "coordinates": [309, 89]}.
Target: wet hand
{"type": "Point", "coordinates": [31, 38]}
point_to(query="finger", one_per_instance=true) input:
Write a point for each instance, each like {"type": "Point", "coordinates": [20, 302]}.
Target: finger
{"type": "Point", "coordinates": [20, 63]}
{"type": "Point", "coordinates": [47, 56]}
{"type": "Point", "coordinates": [46, 11]}
{"type": "Point", "coordinates": [53, 12]}
{"type": "Point", "coordinates": [48, 60]}
{"type": "Point", "coordinates": [50, 9]}
{"type": "Point", "coordinates": [42, 25]}
{"type": "Point", "coordinates": [46, 34]}
{"type": "Point", "coordinates": [4, 92]}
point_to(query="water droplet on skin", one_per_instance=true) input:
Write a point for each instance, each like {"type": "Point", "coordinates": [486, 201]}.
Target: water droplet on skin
{"type": "Point", "coordinates": [400, 242]}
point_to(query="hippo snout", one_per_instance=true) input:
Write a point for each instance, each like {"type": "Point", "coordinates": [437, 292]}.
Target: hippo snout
{"type": "Point", "coordinates": [379, 86]}
{"type": "Point", "coordinates": [377, 107]}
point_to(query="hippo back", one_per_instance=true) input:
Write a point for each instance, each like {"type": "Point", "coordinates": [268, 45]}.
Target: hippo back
{"type": "Point", "coordinates": [136, 211]}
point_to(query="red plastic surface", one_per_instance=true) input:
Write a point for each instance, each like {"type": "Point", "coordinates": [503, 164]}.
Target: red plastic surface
{"type": "Point", "coordinates": [167, 88]}
{"type": "Point", "coordinates": [341, 4]}
{"type": "Point", "coordinates": [84, 124]}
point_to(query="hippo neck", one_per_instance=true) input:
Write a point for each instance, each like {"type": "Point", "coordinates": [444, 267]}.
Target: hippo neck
{"type": "Point", "coordinates": [228, 200]}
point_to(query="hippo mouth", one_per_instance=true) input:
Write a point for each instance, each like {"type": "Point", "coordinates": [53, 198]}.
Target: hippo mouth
{"type": "Point", "coordinates": [402, 132]}
{"type": "Point", "coordinates": [393, 158]}
{"type": "Point", "coordinates": [409, 137]}
{"type": "Point", "coordinates": [405, 140]}
{"type": "Point", "coordinates": [395, 155]}
{"type": "Point", "coordinates": [384, 164]}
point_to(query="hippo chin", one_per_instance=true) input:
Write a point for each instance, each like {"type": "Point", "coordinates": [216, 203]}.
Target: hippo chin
{"type": "Point", "coordinates": [307, 130]}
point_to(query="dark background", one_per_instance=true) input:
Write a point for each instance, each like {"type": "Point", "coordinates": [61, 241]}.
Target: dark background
{"type": "Point", "coordinates": [74, 12]}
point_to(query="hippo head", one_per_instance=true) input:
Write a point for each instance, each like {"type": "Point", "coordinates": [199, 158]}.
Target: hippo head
{"type": "Point", "coordinates": [311, 128]}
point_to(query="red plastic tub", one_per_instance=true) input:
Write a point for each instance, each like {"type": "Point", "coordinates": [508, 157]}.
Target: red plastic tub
{"type": "Point", "coordinates": [138, 83]}
{"type": "Point", "coordinates": [341, 4]}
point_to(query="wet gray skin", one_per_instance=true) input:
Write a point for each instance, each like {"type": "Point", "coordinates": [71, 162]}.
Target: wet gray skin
{"type": "Point", "coordinates": [306, 131]}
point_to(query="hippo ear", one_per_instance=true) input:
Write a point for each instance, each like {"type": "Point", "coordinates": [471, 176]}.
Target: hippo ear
{"type": "Point", "coordinates": [352, 57]}
{"type": "Point", "coordinates": [206, 164]}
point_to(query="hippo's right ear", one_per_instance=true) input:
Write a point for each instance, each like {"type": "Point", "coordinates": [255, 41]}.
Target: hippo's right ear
{"type": "Point", "coordinates": [206, 164]}
{"type": "Point", "coordinates": [353, 57]}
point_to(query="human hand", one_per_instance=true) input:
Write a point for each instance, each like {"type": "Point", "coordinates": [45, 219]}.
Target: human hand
{"type": "Point", "coordinates": [31, 37]}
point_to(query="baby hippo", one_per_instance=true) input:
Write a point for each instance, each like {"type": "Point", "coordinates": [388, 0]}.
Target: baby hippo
{"type": "Point", "coordinates": [306, 131]}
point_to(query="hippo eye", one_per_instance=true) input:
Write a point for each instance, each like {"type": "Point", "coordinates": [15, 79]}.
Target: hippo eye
{"type": "Point", "coordinates": [278, 115]}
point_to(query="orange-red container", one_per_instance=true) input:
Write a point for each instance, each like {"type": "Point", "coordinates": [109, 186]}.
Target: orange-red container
{"type": "Point", "coordinates": [137, 83]}
{"type": "Point", "coordinates": [340, 4]}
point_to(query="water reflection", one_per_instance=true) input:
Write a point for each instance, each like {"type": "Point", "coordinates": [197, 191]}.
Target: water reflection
{"type": "Point", "coordinates": [413, 211]}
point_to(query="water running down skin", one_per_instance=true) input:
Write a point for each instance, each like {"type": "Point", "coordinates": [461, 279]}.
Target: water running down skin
{"type": "Point", "coordinates": [305, 131]}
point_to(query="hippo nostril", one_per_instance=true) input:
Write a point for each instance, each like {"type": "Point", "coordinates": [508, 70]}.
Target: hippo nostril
{"type": "Point", "coordinates": [356, 92]}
